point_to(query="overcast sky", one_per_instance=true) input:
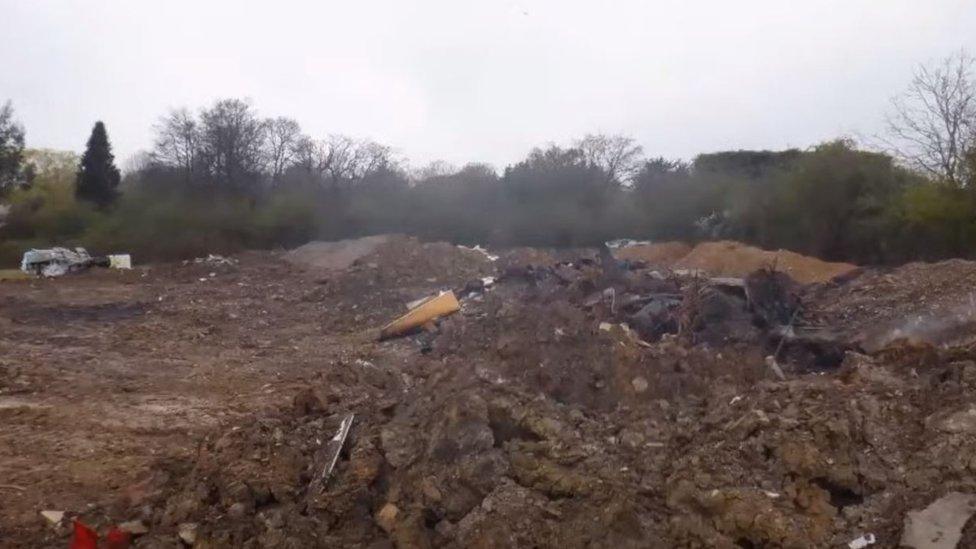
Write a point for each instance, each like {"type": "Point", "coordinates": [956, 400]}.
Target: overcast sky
{"type": "Point", "coordinates": [477, 81]}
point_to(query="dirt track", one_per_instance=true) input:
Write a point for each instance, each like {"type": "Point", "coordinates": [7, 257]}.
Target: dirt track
{"type": "Point", "coordinates": [200, 393]}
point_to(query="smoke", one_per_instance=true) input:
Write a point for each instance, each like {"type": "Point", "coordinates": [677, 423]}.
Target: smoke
{"type": "Point", "coordinates": [950, 326]}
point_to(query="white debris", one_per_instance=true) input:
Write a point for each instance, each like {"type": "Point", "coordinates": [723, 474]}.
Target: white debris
{"type": "Point", "coordinates": [120, 261]}
{"type": "Point", "coordinates": [55, 261]}
{"type": "Point", "coordinates": [939, 526]}
{"type": "Point", "coordinates": [188, 532]}
{"type": "Point", "coordinates": [480, 250]}
{"type": "Point", "coordinates": [640, 384]}
{"type": "Point", "coordinates": [624, 243]}
{"type": "Point", "coordinates": [771, 495]}
{"type": "Point", "coordinates": [54, 517]}
{"type": "Point", "coordinates": [735, 399]}
{"type": "Point", "coordinates": [213, 259]}
{"type": "Point", "coordinates": [862, 542]}
{"type": "Point", "coordinates": [774, 366]}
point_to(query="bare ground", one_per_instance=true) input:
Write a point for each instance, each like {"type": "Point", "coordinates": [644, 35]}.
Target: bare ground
{"type": "Point", "coordinates": [200, 394]}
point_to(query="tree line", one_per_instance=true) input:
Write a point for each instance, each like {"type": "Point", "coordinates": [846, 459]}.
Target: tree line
{"type": "Point", "coordinates": [225, 178]}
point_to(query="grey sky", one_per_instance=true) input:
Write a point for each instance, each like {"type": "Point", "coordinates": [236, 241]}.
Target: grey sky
{"type": "Point", "coordinates": [477, 81]}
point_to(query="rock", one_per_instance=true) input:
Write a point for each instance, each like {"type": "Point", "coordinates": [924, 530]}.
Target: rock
{"type": "Point", "coordinates": [640, 384]}
{"type": "Point", "coordinates": [960, 422]}
{"type": "Point", "coordinates": [429, 488]}
{"type": "Point", "coordinates": [306, 403]}
{"type": "Point", "coordinates": [463, 430]}
{"type": "Point", "coordinates": [187, 532]}
{"type": "Point", "coordinates": [237, 510]}
{"type": "Point", "coordinates": [134, 527]}
{"type": "Point", "coordinates": [386, 518]}
{"type": "Point", "coordinates": [398, 443]}
{"type": "Point", "coordinates": [939, 526]}
{"type": "Point", "coordinates": [53, 517]}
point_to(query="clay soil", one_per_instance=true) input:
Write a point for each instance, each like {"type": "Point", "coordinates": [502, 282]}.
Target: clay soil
{"type": "Point", "coordinates": [197, 396]}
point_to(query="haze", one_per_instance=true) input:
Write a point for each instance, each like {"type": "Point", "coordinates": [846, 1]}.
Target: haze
{"type": "Point", "coordinates": [461, 81]}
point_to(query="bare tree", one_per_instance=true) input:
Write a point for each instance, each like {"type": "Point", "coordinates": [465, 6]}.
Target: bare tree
{"type": "Point", "coordinates": [436, 169]}
{"type": "Point", "coordinates": [618, 156]}
{"type": "Point", "coordinates": [932, 124]}
{"type": "Point", "coordinates": [370, 157]}
{"type": "Point", "coordinates": [311, 155]}
{"type": "Point", "coordinates": [177, 141]}
{"type": "Point", "coordinates": [351, 160]}
{"type": "Point", "coordinates": [231, 139]}
{"type": "Point", "coordinates": [340, 159]}
{"type": "Point", "coordinates": [282, 138]}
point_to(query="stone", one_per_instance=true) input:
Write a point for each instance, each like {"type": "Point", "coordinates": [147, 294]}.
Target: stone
{"type": "Point", "coordinates": [237, 510]}
{"type": "Point", "coordinates": [939, 526]}
{"type": "Point", "coordinates": [386, 518]}
{"type": "Point", "coordinates": [640, 384]}
{"type": "Point", "coordinates": [53, 517]}
{"type": "Point", "coordinates": [187, 532]}
{"type": "Point", "coordinates": [134, 527]}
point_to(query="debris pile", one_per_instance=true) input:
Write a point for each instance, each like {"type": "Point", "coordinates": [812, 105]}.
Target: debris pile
{"type": "Point", "coordinates": [726, 258]}
{"type": "Point", "coordinates": [58, 261]}
{"type": "Point", "coordinates": [588, 400]}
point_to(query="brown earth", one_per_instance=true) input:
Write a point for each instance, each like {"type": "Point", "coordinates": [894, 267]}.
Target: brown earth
{"type": "Point", "coordinates": [658, 254]}
{"type": "Point", "coordinates": [735, 259]}
{"type": "Point", "coordinates": [200, 393]}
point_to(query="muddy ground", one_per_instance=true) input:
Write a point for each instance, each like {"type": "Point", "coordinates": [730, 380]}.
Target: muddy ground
{"type": "Point", "coordinates": [196, 397]}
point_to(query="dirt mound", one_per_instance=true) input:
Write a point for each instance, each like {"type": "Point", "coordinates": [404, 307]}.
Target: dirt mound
{"type": "Point", "coordinates": [583, 403]}
{"type": "Point", "coordinates": [334, 256]}
{"type": "Point", "coordinates": [928, 302]}
{"type": "Point", "coordinates": [411, 261]}
{"type": "Point", "coordinates": [660, 255]}
{"type": "Point", "coordinates": [525, 257]}
{"type": "Point", "coordinates": [728, 258]}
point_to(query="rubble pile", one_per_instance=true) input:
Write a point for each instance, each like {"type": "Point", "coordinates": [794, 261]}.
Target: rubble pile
{"type": "Point", "coordinates": [593, 401]}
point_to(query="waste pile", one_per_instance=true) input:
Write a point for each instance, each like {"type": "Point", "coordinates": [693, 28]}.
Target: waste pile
{"type": "Point", "coordinates": [60, 261]}
{"type": "Point", "coordinates": [592, 402]}
{"type": "Point", "coordinates": [57, 261]}
{"type": "Point", "coordinates": [727, 258]}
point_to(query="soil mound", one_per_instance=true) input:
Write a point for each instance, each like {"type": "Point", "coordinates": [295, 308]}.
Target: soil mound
{"type": "Point", "coordinates": [661, 255]}
{"type": "Point", "coordinates": [927, 302]}
{"type": "Point", "coordinates": [334, 256]}
{"type": "Point", "coordinates": [727, 258]}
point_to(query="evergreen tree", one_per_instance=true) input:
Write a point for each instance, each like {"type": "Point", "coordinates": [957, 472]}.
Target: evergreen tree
{"type": "Point", "coordinates": [98, 178]}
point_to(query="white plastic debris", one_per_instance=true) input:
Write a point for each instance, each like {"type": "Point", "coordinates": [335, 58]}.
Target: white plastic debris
{"type": "Point", "coordinates": [862, 542]}
{"type": "Point", "coordinates": [214, 259]}
{"type": "Point", "coordinates": [55, 261]}
{"type": "Point", "coordinates": [328, 454]}
{"type": "Point", "coordinates": [120, 261]}
{"type": "Point", "coordinates": [480, 250]}
{"type": "Point", "coordinates": [624, 243]}
{"type": "Point", "coordinates": [52, 516]}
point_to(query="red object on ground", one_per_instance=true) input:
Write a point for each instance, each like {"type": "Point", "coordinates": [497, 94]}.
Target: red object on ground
{"type": "Point", "coordinates": [84, 537]}
{"type": "Point", "coordinates": [117, 539]}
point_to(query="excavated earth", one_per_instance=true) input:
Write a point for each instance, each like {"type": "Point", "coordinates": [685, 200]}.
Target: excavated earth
{"type": "Point", "coordinates": [196, 398]}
